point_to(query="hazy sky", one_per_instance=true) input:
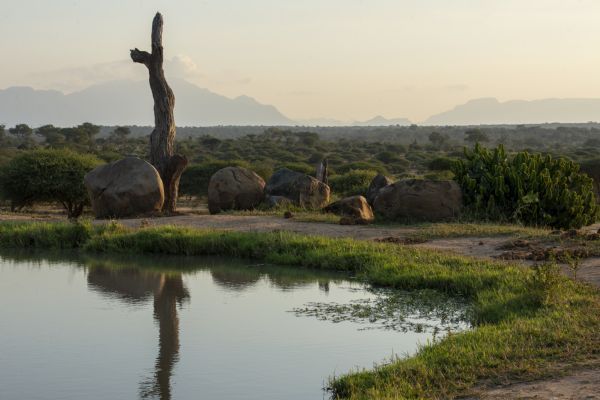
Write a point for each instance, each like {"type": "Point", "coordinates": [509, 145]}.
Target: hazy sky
{"type": "Point", "coordinates": [344, 59]}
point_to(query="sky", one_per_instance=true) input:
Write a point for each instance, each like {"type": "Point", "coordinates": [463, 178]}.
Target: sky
{"type": "Point", "coordinates": [342, 59]}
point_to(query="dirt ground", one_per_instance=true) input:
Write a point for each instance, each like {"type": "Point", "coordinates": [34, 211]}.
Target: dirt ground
{"type": "Point", "coordinates": [583, 383]}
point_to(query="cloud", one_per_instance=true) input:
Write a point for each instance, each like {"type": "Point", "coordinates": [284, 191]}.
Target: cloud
{"type": "Point", "coordinates": [72, 79]}
{"type": "Point", "coordinates": [183, 67]}
{"type": "Point", "coordinates": [77, 78]}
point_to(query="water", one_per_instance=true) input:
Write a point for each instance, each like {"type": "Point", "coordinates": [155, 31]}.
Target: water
{"type": "Point", "coordinates": [73, 327]}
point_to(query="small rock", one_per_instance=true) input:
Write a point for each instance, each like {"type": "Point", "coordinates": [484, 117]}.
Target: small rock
{"type": "Point", "coordinates": [355, 207]}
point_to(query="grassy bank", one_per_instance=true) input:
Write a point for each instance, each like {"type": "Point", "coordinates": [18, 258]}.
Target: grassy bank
{"type": "Point", "coordinates": [528, 321]}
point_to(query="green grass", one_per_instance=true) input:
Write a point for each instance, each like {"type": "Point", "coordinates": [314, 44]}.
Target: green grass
{"type": "Point", "coordinates": [456, 229]}
{"type": "Point", "coordinates": [527, 321]}
{"type": "Point", "coordinates": [299, 214]}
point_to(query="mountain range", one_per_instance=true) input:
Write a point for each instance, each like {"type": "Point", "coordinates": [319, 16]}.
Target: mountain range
{"type": "Point", "coordinates": [490, 111]}
{"type": "Point", "coordinates": [130, 103]}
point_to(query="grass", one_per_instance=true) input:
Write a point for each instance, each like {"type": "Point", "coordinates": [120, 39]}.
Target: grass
{"type": "Point", "coordinates": [527, 321]}
{"type": "Point", "coordinates": [299, 214]}
{"type": "Point", "coordinates": [425, 231]}
{"type": "Point", "coordinates": [456, 230]}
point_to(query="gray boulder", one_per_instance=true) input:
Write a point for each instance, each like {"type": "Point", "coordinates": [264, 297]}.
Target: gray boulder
{"type": "Point", "coordinates": [277, 201]}
{"type": "Point", "coordinates": [234, 188]}
{"type": "Point", "coordinates": [355, 207]}
{"type": "Point", "coordinates": [302, 190]}
{"type": "Point", "coordinates": [124, 188]}
{"type": "Point", "coordinates": [415, 199]}
{"type": "Point", "coordinates": [378, 183]}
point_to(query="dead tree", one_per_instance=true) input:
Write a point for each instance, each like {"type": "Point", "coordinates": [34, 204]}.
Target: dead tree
{"type": "Point", "coordinates": [322, 171]}
{"type": "Point", "coordinates": [169, 165]}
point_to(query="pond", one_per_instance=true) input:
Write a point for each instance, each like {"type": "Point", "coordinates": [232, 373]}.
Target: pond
{"type": "Point", "coordinates": [82, 327]}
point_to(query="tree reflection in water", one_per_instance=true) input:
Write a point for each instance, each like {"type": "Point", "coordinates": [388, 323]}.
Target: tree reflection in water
{"type": "Point", "coordinates": [133, 285]}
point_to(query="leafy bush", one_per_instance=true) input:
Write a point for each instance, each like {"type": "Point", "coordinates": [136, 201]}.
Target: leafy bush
{"type": "Point", "coordinates": [352, 183]}
{"type": "Point", "coordinates": [529, 188]}
{"type": "Point", "coordinates": [47, 176]}
{"type": "Point", "coordinates": [592, 169]}
{"type": "Point", "coordinates": [441, 164]}
{"type": "Point", "coordinates": [299, 167]}
{"type": "Point", "coordinates": [362, 165]}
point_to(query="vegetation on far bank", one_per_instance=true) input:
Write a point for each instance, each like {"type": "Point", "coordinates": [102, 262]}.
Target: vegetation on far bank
{"type": "Point", "coordinates": [528, 320]}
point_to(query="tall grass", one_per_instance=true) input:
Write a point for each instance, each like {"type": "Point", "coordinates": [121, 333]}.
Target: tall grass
{"type": "Point", "coordinates": [527, 320]}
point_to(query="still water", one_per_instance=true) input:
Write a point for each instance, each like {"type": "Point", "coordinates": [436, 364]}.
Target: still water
{"type": "Point", "coordinates": [75, 327]}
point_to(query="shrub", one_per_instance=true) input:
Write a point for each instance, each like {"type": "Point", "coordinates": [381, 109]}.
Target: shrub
{"type": "Point", "coordinates": [47, 176]}
{"type": "Point", "coordinates": [592, 169]}
{"type": "Point", "coordinates": [529, 188]}
{"type": "Point", "coordinates": [441, 164]}
{"type": "Point", "coordinates": [352, 183]}
{"type": "Point", "coordinates": [362, 165]}
{"type": "Point", "coordinates": [299, 167]}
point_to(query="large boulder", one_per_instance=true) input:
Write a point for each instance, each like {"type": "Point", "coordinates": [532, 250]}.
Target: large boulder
{"type": "Point", "coordinates": [379, 182]}
{"type": "Point", "coordinates": [415, 199]}
{"type": "Point", "coordinates": [124, 188]}
{"type": "Point", "coordinates": [355, 207]}
{"type": "Point", "coordinates": [302, 190]}
{"type": "Point", "coordinates": [234, 188]}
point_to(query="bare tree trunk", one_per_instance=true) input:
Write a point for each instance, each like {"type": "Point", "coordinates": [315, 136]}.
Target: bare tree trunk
{"type": "Point", "coordinates": [322, 171]}
{"type": "Point", "coordinates": [170, 166]}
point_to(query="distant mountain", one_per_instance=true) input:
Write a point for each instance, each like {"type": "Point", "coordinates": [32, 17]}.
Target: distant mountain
{"type": "Point", "coordinates": [321, 122]}
{"type": "Point", "coordinates": [130, 103]}
{"type": "Point", "coordinates": [491, 111]}
{"type": "Point", "coordinates": [381, 121]}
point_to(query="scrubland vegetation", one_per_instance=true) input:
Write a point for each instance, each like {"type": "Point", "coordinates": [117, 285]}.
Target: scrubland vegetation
{"type": "Point", "coordinates": [528, 322]}
{"type": "Point", "coordinates": [540, 186]}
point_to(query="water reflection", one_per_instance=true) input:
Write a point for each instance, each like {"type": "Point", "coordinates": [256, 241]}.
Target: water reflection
{"type": "Point", "coordinates": [267, 356]}
{"type": "Point", "coordinates": [134, 281]}
{"type": "Point", "coordinates": [133, 285]}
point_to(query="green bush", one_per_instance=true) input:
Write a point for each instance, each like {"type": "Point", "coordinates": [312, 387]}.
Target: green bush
{"type": "Point", "coordinates": [441, 164]}
{"type": "Point", "coordinates": [352, 183]}
{"type": "Point", "coordinates": [47, 176]}
{"type": "Point", "coordinates": [592, 169]}
{"type": "Point", "coordinates": [361, 165]}
{"type": "Point", "coordinates": [529, 188]}
{"type": "Point", "coordinates": [299, 167]}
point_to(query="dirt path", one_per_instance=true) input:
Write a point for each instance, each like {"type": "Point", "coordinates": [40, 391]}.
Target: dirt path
{"type": "Point", "coordinates": [581, 384]}
{"type": "Point", "coordinates": [269, 224]}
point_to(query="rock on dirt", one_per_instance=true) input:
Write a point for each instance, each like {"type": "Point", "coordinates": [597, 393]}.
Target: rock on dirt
{"type": "Point", "coordinates": [352, 207]}
{"type": "Point", "coordinates": [234, 188]}
{"type": "Point", "coordinates": [417, 199]}
{"type": "Point", "coordinates": [124, 188]}
{"type": "Point", "coordinates": [301, 189]}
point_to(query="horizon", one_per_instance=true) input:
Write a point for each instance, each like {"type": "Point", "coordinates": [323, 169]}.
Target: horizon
{"type": "Point", "coordinates": [404, 60]}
